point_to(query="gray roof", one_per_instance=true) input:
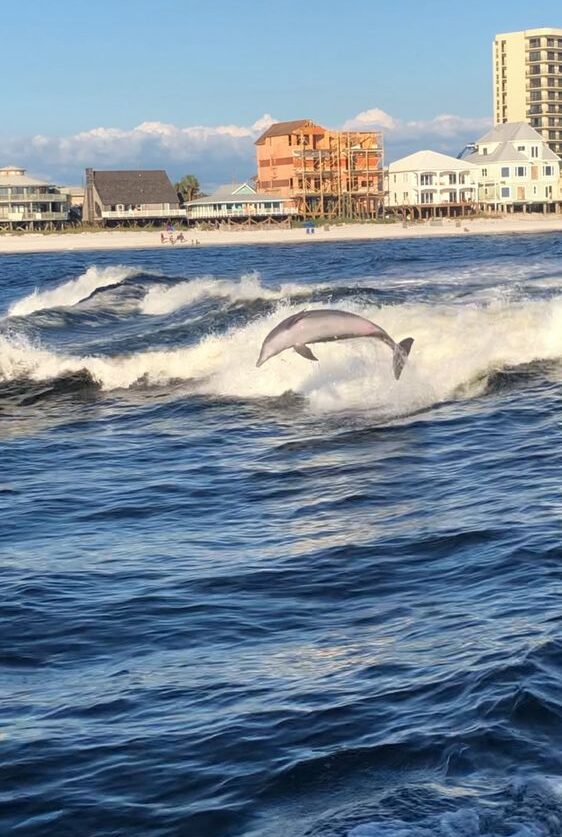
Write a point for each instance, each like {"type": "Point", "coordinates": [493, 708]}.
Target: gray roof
{"type": "Point", "coordinates": [504, 153]}
{"type": "Point", "coordinates": [510, 131]}
{"type": "Point", "coordinates": [135, 187]}
{"type": "Point", "coordinates": [506, 134]}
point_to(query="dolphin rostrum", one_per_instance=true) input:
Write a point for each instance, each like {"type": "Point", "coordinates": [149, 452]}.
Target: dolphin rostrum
{"type": "Point", "coordinates": [324, 326]}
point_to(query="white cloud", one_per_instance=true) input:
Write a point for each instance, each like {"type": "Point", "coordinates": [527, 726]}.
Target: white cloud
{"type": "Point", "coordinates": [214, 154]}
{"type": "Point", "coordinates": [445, 132]}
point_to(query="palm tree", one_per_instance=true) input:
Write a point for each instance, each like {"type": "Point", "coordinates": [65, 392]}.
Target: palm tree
{"type": "Point", "coordinates": [188, 188]}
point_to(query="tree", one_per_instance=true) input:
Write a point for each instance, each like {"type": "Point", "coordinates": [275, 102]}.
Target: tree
{"type": "Point", "coordinates": [188, 188]}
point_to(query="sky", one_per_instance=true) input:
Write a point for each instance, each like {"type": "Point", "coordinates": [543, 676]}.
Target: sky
{"type": "Point", "coordinates": [188, 85]}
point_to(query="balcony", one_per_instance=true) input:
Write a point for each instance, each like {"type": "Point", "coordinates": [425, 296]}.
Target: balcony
{"type": "Point", "coordinates": [247, 211]}
{"type": "Point", "coordinates": [131, 214]}
{"type": "Point", "coordinates": [10, 196]}
{"type": "Point", "coordinates": [6, 215]}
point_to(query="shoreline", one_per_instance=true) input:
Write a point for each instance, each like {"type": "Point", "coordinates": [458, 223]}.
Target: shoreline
{"type": "Point", "coordinates": [150, 240]}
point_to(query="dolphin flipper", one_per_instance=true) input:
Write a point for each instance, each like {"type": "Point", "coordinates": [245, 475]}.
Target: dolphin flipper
{"type": "Point", "coordinates": [401, 352]}
{"type": "Point", "coordinates": [304, 351]}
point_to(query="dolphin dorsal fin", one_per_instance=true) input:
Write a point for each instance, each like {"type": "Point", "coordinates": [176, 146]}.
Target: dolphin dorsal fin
{"type": "Point", "coordinates": [304, 351]}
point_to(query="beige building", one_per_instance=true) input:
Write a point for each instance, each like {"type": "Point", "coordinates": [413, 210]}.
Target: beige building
{"type": "Point", "coordinates": [517, 171]}
{"type": "Point", "coordinates": [430, 184]}
{"type": "Point", "coordinates": [528, 81]}
{"type": "Point", "coordinates": [27, 203]}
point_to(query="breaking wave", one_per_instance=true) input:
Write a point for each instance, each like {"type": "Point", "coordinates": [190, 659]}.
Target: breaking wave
{"type": "Point", "coordinates": [165, 300]}
{"type": "Point", "coordinates": [73, 291]}
{"type": "Point", "coordinates": [457, 352]}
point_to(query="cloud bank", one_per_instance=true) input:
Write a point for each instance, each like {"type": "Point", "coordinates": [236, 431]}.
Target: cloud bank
{"type": "Point", "coordinates": [214, 154]}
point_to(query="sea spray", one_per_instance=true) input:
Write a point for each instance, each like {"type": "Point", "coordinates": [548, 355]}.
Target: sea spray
{"type": "Point", "coordinates": [455, 350]}
{"type": "Point", "coordinates": [71, 292]}
{"type": "Point", "coordinates": [166, 299]}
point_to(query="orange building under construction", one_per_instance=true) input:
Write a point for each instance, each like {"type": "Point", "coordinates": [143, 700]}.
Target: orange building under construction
{"type": "Point", "coordinates": [330, 174]}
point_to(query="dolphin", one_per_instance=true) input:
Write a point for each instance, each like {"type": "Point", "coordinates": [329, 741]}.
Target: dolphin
{"type": "Point", "coordinates": [324, 326]}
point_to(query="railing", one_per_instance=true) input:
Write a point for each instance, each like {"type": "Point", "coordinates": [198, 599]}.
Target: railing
{"type": "Point", "coordinates": [202, 212]}
{"type": "Point", "coordinates": [33, 216]}
{"type": "Point", "coordinates": [143, 213]}
{"type": "Point", "coordinates": [42, 197]}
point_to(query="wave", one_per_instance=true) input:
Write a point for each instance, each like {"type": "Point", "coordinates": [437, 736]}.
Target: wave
{"type": "Point", "coordinates": [165, 300]}
{"type": "Point", "coordinates": [530, 808]}
{"type": "Point", "coordinates": [457, 351]}
{"type": "Point", "coordinates": [73, 291]}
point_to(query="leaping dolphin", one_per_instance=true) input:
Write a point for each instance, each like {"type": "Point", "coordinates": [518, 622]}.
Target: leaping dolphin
{"type": "Point", "coordinates": [324, 326]}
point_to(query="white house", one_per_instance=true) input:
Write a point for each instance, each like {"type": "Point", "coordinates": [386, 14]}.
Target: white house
{"type": "Point", "coordinates": [431, 183]}
{"type": "Point", "coordinates": [517, 169]}
{"type": "Point", "coordinates": [240, 201]}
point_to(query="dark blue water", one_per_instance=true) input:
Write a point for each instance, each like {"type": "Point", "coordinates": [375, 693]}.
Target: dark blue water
{"type": "Point", "coordinates": [305, 599]}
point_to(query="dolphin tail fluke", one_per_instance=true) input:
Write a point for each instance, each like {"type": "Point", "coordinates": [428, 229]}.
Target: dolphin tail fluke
{"type": "Point", "coordinates": [401, 352]}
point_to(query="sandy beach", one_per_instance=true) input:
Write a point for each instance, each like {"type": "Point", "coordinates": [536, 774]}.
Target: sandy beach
{"type": "Point", "coordinates": [124, 239]}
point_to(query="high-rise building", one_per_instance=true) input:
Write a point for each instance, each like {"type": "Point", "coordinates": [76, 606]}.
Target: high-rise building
{"type": "Point", "coordinates": [528, 81]}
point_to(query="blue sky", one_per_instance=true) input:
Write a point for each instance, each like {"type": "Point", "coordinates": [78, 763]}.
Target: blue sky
{"type": "Point", "coordinates": [199, 77]}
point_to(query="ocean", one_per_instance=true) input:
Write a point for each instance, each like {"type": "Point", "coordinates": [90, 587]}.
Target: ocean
{"type": "Point", "coordinates": [304, 600]}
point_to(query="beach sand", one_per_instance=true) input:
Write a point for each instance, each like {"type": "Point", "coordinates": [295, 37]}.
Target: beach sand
{"type": "Point", "coordinates": [124, 239]}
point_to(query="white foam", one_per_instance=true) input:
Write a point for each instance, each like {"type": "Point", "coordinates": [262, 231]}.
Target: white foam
{"type": "Point", "coordinates": [73, 291]}
{"type": "Point", "coordinates": [165, 300]}
{"type": "Point", "coordinates": [455, 348]}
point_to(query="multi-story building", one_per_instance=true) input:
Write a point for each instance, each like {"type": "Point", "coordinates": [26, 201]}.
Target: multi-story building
{"type": "Point", "coordinates": [428, 184]}
{"type": "Point", "coordinates": [528, 81]}
{"type": "Point", "coordinates": [517, 169]}
{"type": "Point", "coordinates": [327, 173]}
{"type": "Point", "coordinates": [28, 203]}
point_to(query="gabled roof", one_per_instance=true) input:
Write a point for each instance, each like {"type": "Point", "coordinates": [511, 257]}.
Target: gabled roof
{"type": "Point", "coordinates": [504, 153]}
{"type": "Point", "coordinates": [510, 131]}
{"type": "Point", "coordinates": [430, 161]}
{"type": "Point", "coordinates": [504, 136]}
{"type": "Point", "coordinates": [281, 129]}
{"type": "Point", "coordinates": [135, 187]}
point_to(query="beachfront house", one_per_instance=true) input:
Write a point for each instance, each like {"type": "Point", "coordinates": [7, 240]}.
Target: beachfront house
{"type": "Point", "coordinates": [241, 203]}
{"type": "Point", "coordinates": [127, 198]}
{"type": "Point", "coordinates": [27, 203]}
{"type": "Point", "coordinates": [429, 184]}
{"type": "Point", "coordinates": [329, 174]}
{"type": "Point", "coordinates": [518, 172]}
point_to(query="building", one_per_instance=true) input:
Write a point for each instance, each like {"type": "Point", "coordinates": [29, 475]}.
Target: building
{"type": "Point", "coordinates": [122, 198]}
{"type": "Point", "coordinates": [27, 203]}
{"type": "Point", "coordinates": [528, 81]}
{"type": "Point", "coordinates": [240, 203]}
{"type": "Point", "coordinates": [518, 171]}
{"type": "Point", "coordinates": [430, 184]}
{"type": "Point", "coordinates": [330, 174]}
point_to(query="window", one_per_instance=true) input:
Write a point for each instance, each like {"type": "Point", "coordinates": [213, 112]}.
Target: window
{"type": "Point", "coordinates": [520, 171]}
{"type": "Point", "coordinates": [426, 180]}
{"type": "Point", "coordinates": [534, 151]}
{"type": "Point", "coordinates": [505, 171]}
{"type": "Point", "coordinates": [484, 172]}
{"type": "Point", "coordinates": [484, 151]}
{"type": "Point", "coordinates": [405, 197]}
{"type": "Point", "coordinates": [452, 179]}
{"type": "Point", "coordinates": [427, 197]}
{"type": "Point", "coordinates": [521, 148]}
{"type": "Point", "coordinates": [548, 171]}
{"type": "Point", "coordinates": [505, 191]}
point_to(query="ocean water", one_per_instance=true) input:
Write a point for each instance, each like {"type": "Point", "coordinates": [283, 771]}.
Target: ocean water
{"type": "Point", "coordinates": [305, 599]}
